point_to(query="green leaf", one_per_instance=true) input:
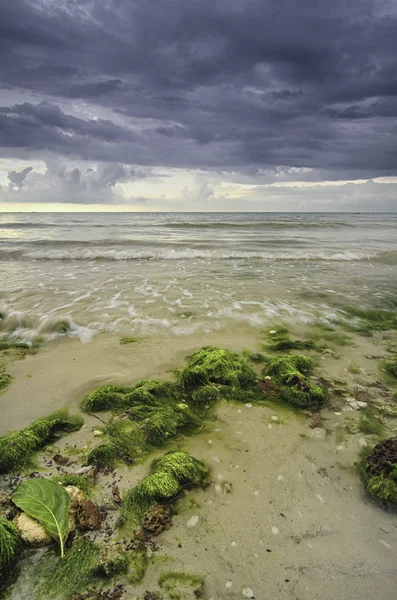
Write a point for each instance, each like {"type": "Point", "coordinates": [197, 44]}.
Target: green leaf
{"type": "Point", "coordinates": [47, 502]}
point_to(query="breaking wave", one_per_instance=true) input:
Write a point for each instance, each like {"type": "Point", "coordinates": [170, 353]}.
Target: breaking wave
{"type": "Point", "coordinates": [115, 254]}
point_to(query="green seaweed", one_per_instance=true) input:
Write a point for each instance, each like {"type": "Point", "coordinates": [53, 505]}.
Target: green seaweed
{"type": "Point", "coordinates": [138, 562]}
{"type": "Point", "coordinates": [5, 380]}
{"type": "Point", "coordinates": [113, 560]}
{"type": "Point", "coordinates": [283, 343]}
{"type": "Point", "coordinates": [10, 544]}
{"type": "Point", "coordinates": [167, 477]}
{"type": "Point", "coordinates": [370, 423]}
{"type": "Point", "coordinates": [104, 398]}
{"type": "Point", "coordinates": [381, 486]}
{"type": "Point", "coordinates": [289, 373]}
{"type": "Point", "coordinates": [256, 357]}
{"type": "Point", "coordinates": [205, 397]}
{"type": "Point", "coordinates": [214, 365]}
{"type": "Point", "coordinates": [176, 583]}
{"type": "Point", "coordinates": [105, 455]}
{"type": "Point", "coordinates": [379, 470]}
{"type": "Point", "coordinates": [391, 368]}
{"type": "Point", "coordinates": [368, 321]}
{"type": "Point", "coordinates": [17, 449]}
{"type": "Point", "coordinates": [70, 575]}
{"type": "Point", "coordinates": [129, 340]}
{"type": "Point", "coordinates": [327, 333]}
{"type": "Point", "coordinates": [84, 483]}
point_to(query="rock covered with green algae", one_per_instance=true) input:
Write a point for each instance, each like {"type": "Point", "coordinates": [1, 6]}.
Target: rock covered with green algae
{"type": "Point", "coordinates": [290, 375]}
{"type": "Point", "coordinates": [17, 449]}
{"type": "Point", "coordinates": [113, 560]}
{"type": "Point", "coordinates": [168, 476]}
{"type": "Point", "coordinates": [114, 398]}
{"type": "Point", "coordinates": [211, 365]}
{"type": "Point", "coordinates": [379, 471]}
{"type": "Point", "coordinates": [10, 544]}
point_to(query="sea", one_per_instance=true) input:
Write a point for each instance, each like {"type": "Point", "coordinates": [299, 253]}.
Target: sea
{"type": "Point", "coordinates": [177, 274]}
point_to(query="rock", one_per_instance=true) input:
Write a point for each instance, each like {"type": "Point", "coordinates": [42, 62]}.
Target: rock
{"type": "Point", "coordinates": [31, 531]}
{"type": "Point", "coordinates": [76, 495]}
{"type": "Point", "coordinates": [116, 494]}
{"type": "Point", "coordinates": [89, 471]}
{"type": "Point", "coordinates": [60, 460]}
{"type": "Point", "coordinates": [98, 433]}
{"type": "Point", "coordinates": [7, 507]}
{"type": "Point", "coordinates": [157, 519]}
{"type": "Point", "coordinates": [88, 516]}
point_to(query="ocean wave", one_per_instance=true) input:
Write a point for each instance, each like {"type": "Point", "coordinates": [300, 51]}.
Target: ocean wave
{"type": "Point", "coordinates": [164, 254]}
{"type": "Point", "coordinates": [27, 225]}
{"type": "Point", "coordinates": [32, 329]}
{"type": "Point", "coordinates": [257, 224]}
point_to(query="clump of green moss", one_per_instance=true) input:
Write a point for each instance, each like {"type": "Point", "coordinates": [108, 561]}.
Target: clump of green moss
{"type": "Point", "coordinates": [167, 477]}
{"type": "Point", "coordinates": [81, 481]}
{"type": "Point", "coordinates": [105, 455]}
{"type": "Point", "coordinates": [63, 577]}
{"type": "Point", "coordinates": [289, 373]}
{"type": "Point", "coordinates": [10, 544]}
{"type": "Point", "coordinates": [391, 368]}
{"type": "Point", "coordinates": [211, 365]}
{"type": "Point", "coordinates": [367, 321]}
{"type": "Point", "coordinates": [104, 398]}
{"type": "Point", "coordinates": [370, 423]}
{"type": "Point", "coordinates": [17, 449]}
{"type": "Point", "coordinates": [6, 344]}
{"type": "Point", "coordinates": [5, 380]}
{"type": "Point", "coordinates": [115, 398]}
{"type": "Point", "coordinates": [205, 397]}
{"type": "Point", "coordinates": [327, 333]}
{"type": "Point", "coordinates": [128, 340]}
{"type": "Point", "coordinates": [379, 471]}
{"type": "Point", "coordinates": [113, 560]}
{"type": "Point", "coordinates": [138, 562]}
{"type": "Point", "coordinates": [283, 343]}
{"type": "Point", "coordinates": [176, 584]}
{"type": "Point", "coordinates": [256, 357]}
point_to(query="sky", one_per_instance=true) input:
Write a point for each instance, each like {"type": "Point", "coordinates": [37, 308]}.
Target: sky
{"type": "Point", "coordinates": [198, 105]}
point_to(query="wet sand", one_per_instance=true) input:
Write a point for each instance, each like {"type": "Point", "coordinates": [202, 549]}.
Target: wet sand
{"type": "Point", "coordinates": [286, 514]}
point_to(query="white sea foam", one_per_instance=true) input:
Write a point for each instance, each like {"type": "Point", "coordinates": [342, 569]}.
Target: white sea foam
{"type": "Point", "coordinates": [112, 254]}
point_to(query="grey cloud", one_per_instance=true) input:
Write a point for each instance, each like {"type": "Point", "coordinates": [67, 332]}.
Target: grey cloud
{"type": "Point", "coordinates": [233, 85]}
{"type": "Point", "coordinates": [17, 178]}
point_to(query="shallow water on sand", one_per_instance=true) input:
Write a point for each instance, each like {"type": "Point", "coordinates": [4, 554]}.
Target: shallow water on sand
{"type": "Point", "coordinates": [183, 274]}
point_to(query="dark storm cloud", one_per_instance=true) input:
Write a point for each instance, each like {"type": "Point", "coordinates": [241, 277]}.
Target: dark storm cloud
{"type": "Point", "coordinates": [229, 84]}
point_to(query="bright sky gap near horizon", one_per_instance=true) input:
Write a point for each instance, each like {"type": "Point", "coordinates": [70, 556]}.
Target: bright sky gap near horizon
{"type": "Point", "coordinates": [199, 105]}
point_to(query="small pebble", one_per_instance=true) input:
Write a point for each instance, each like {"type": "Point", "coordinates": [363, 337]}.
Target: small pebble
{"type": "Point", "coordinates": [228, 584]}
{"type": "Point", "coordinates": [280, 478]}
{"type": "Point", "coordinates": [216, 459]}
{"type": "Point", "coordinates": [270, 426]}
{"type": "Point", "coordinates": [234, 544]}
{"type": "Point", "coordinates": [210, 442]}
{"type": "Point", "coordinates": [248, 405]}
{"type": "Point", "coordinates": [274, 418]}
{"type": "Point", "coordinates": [275, 530]}
{"type": "Point", "coordinates": [219, 477]}
{"type": "Point", "coordinates": [218, 488]}
{"type": "Point", "coordinates": [248, 593]}
{"type": "Point", "coordinates": [320, 498]}
{"type": "Point", "coordinates": [192, 522]}
{"type": "Point", "coordinates": [256, 493]}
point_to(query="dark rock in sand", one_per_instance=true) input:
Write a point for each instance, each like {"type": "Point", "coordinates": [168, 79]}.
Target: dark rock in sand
{"type": "Point", "coordinates": [88, 516]}
{"type": "Point", "coordinates": [7, 507]}
{"type": "Point", "coordinates": [60, 460]}
{"type": "Point", "coordinates": [157, 519]}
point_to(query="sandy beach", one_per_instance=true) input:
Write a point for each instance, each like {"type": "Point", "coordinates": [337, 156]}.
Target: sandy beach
{"type": "Point", "coordinates": [286, 514]}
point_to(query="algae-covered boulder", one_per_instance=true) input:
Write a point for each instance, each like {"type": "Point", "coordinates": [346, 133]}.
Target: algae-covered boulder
{"type": "Point", "coordinates": [17, 449]}
{"type": "Point", "coordinates": [168, 476]}
{"type": "Point", "coordinates": [215, 365]}
{"type": "Point", "coordinates": [379, 471]}
{"type": "Point", "coordinates": [290, 375]}
{"type": "Point", "coordinates": [10, 543]}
